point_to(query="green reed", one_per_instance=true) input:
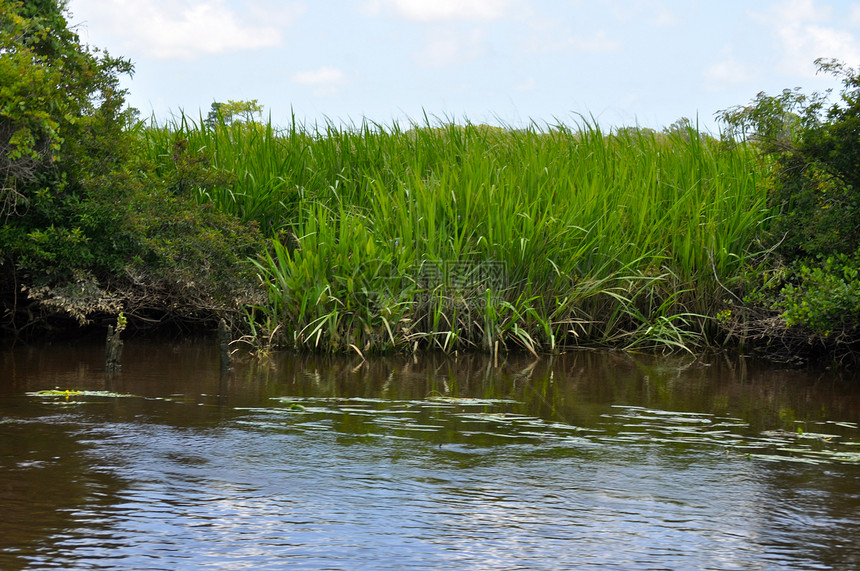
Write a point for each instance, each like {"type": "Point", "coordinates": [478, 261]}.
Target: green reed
{"type": "Point", "coordinates": [382, 236]}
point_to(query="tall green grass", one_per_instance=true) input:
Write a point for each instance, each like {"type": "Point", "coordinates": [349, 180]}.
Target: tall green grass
{"type": "Point", "coordinates": [380, 235]}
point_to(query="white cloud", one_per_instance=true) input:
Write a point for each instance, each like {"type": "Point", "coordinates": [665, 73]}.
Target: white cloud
{"type": "Point", "coordinates": [830, 42]}
{"type": "Point", "coordinates": [854, 16]}
{"type": "Point", "coordinates": [598, 42]}
{"type": "Point", "coordinates": [449, 39]}
{"type": "Point", "coordinates": [528, 84]}
{"type": "Point", "coordinates": [665, 17]}
{"type": "Point", "coordinates": [186, 29]}
{"type": "Point", "coordinates": [806, 32]}
{"type": "Point", "coordinates": [649, 12]}
{"type": "Point", "coordinates": [453, 34]}
{"type": "Point", "coordinates": [321, 76]}
{"type": "Point", "coordinates": [325, 80]}
{"type": "Point", "coordinates": [723, 73]}
{"type": "Point", "coordinates": [441, 10]}
{"type": "Point", "coordinates": [446, 47]}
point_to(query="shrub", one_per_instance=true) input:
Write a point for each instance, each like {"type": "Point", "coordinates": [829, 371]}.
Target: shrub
{"type": "Point", "coordinates": [88, 225]}
{"type": "Point", "coordinates": [812, 151]}
{"type": "Point", "coordinates": [825, 297]}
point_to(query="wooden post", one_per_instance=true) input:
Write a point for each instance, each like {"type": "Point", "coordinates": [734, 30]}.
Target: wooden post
{"type": "Point", "coordinates": [224, 344]}
{"type": "Point", "coordinates": [113, 350]}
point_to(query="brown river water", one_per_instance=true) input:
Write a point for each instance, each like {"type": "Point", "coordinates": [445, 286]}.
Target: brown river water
{"type": "Point", "coordinates": [591, 460]}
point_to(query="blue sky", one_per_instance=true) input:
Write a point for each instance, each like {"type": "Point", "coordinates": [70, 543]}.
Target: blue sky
{"type": "Point", "coordinates": [624, 62]}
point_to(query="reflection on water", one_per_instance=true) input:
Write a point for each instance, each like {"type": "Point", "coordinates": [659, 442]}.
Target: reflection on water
{"type": "Point", "coordinates": [587, 460]}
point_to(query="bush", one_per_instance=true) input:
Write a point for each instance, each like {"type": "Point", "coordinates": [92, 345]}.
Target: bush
{"type": "Point", "coordinates": [810, 147]}
{"type": "Point", "coordinates": [88, 226]}
{"type": "Point", "coordinates": [825, 297]}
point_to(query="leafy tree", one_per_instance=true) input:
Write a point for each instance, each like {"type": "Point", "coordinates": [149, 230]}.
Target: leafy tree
{"type": "Point", "coordinates": [682, 128]}
{"type": "Point", "coordinates": [62, 144]}
{"type": "Point", "coordinates": [244, 111]}
{"type": "Point", "coordinates": [215, 115]}
{"type": "Point", "coordinates": [57, 98]}
{"type": "Point", "coordinates": [811, 146]}
{"type": "Point", "coordinates": [81, 212]}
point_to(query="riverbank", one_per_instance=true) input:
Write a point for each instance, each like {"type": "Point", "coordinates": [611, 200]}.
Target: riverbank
{"type": "Point", "coordinates": [438, 237]}
{"type": "Point", "coordinates": [460, 237]}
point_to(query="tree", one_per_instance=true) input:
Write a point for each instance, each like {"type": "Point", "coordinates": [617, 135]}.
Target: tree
{"type": "Point", "coordinates": [814, 149]}
{"type": "Point", "coordinates": [55, 97]}
{"type": "Point", "coordinates": [682, 128]}
{"type": "Point", "coordinates": [83, 213]}
{"type": "Point", "coordinates": [216, 115]}
{"type": "Point", "coordinates": [240, 111]}
{"type": "Point", "coordinates": [62, 142]}
{"type": "Point", "coordinates": [29, 132]}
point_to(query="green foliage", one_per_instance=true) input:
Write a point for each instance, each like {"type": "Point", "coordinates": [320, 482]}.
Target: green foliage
{"type": "Point", "coordinates": [191, 173]}
{"type": "Point", "coordinates": [246, 170]}
{"type": "Point", "coordinates": [58, 99]}
{"type": "Point", "coordinates": [88, 225]}
{"type": "Point", "coordinates": [182, 245]}
{"type": "Point", "coordinates": [628, 238]}
{"type": "Point", "coordinates": [825, 297]}
{"type": "Point", "coordinates": [61, 143]}
{"type": "Point", "coordinates": [624, 239]}
{"type": "Point", "coordinates": [812, 149]}
{"type": "Point", "coordinates": [233, 111]}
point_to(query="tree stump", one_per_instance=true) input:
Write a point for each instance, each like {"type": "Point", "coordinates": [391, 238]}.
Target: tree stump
{"type": "Point", "coordinates": [113, 350]}
{"type": "Point", "coordinates": [224, 345]}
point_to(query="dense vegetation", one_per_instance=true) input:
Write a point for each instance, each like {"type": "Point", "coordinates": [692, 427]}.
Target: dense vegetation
{"type": "Point", "coordinates": [438, 235]}
{"type": "Point", "coordinates": [811, 153]}
{"type": "Point", "coordinates": [471, 236]}
{"type": "Point", "coordinates": [87, 230]}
